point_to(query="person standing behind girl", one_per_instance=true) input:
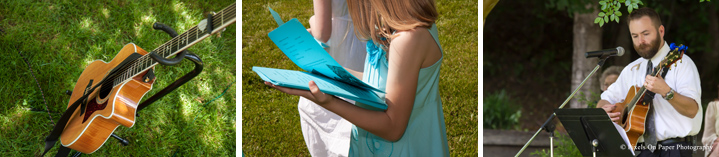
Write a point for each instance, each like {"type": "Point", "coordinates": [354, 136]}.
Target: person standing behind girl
{"type": "Point", "coordinates": [404, 59]}
{"type": "Point", "coordinates": [711, 129]}
{"type": "Point", "coordinates": [325, 133]}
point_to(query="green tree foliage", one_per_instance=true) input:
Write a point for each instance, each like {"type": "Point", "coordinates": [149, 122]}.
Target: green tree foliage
{"type": "Point", "coordinates": [610, 9]}
{"type": "Point", "coordinates": [500, 112]}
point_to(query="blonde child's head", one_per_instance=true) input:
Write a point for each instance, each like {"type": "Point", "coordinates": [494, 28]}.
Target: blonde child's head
{"type": "Point", "coordinates": [377, 19]}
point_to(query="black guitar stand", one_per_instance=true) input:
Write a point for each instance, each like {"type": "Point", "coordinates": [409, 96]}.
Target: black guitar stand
{"type": "Point", "coordinates": [185, 54]}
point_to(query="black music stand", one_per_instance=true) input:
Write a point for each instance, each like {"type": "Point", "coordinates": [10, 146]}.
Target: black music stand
{"type": "Point", "coordinates": [592, 132]}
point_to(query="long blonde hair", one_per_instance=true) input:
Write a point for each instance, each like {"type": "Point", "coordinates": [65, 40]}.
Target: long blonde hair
{"type": "Point", "coordinates": [377, 19]}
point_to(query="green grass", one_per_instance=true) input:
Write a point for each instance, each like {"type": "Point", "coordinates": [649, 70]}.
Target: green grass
{"type": "Point", "coordinates": [61, 38]}
{"type": "Point", "coordinates": [270, 119]}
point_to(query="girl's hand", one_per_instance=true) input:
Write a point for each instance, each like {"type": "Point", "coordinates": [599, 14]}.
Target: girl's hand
{"type": "Point", "coordinates": [314, 94]}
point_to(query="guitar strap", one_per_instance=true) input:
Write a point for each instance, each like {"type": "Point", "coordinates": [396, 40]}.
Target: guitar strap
{"type": "Point", "coordinates": [650, 137]}
{"type": "Point", "coordinates": [51, 139]}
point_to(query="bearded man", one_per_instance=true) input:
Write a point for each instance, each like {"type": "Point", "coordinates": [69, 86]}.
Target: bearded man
{"type": "Point", "coordinates": [674, 96]}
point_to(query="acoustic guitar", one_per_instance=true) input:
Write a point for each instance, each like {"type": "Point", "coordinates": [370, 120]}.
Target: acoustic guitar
{"type": "Point", "coordinates": [634, 110]}
{"type": "Point", "coordinates": [114, 102]}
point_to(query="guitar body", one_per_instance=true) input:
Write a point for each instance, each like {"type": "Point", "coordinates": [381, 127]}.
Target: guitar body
{"type": "Point", "coordinates": [109, 92]}
{"type": "Point", "coordinates": [633, 118]}
{"type": "Point", "coordinates": [104, 113]}
{"type": "Point", "coordinates": [633, 110]}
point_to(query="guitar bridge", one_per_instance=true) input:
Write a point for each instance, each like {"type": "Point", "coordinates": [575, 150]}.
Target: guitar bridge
{"type": "Point", "coordinates": [83, 104]}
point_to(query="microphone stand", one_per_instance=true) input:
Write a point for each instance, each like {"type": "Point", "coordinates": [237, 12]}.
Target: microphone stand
{"type": "Point", "coordinates": [550, 127]}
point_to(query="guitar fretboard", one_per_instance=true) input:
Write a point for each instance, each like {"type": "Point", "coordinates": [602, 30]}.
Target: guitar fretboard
{"type": "Point", "coordinates": [220, 20]}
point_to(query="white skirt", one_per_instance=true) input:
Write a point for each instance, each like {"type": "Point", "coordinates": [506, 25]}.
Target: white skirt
{"type": "Point", "coordinates": [325, 133]}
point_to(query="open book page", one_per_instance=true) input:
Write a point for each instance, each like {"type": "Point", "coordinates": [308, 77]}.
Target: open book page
{"type": "Point", "coordinates": [623, 133]}
{"type": "Point", "coordinates": [299, 45]}
{"type": "Point", "coordinates": [300, 80]}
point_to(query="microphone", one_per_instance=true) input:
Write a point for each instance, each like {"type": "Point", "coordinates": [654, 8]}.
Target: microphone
{"type": "Point", "coordinates": [619, 51]}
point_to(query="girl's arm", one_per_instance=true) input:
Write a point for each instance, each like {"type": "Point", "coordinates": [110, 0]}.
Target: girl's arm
{"type": "Point", "coordinates": [321, 22]}
{"type": "Point", "coordinates": [406, 56]}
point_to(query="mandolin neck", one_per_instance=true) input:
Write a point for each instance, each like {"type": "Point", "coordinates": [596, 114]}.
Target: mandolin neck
{"type": "Point", "coordinates": [181, 42]}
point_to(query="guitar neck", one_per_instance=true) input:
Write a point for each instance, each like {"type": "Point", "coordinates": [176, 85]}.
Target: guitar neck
{"type": "Point", "coordinates": [670, 59]}
{"type": "Point", "coordinates": [656, 72]}
{"type": "Point", "coordinates": [220, 20]}
{"type": "Point", "coordinates": [181, 42]}
{"type": "Point", "coordinates": [636, 98]}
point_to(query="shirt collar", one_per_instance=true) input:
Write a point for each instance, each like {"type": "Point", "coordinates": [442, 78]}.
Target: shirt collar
{"type": "Point", "coordinates": [660, 55]}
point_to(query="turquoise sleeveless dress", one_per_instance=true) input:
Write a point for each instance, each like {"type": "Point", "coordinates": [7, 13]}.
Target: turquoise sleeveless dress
{"type": "Point", "coordinates": [426, 134]}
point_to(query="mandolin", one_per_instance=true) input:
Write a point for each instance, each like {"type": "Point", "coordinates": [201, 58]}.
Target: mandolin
{"type": "Point", "coordinates": [112, 90]}
{"type": "Point", "coordinates": [634, 111]}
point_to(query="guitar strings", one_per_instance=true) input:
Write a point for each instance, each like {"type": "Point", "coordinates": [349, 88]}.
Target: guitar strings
{"type": "Point", "coordinates": [129, 71]}
{"type": "Point", "coordinates": [144, 60]}
{"type": "Point", "coordinates": [216, 22]}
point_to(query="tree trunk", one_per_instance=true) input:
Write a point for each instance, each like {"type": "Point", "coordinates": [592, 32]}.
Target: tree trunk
{"type": "Point", "coordinates": [625, 41]}
{"type": "Point", "coordinates": [587, 37]}
{"type": "Point", "coordinates": [709, 59]}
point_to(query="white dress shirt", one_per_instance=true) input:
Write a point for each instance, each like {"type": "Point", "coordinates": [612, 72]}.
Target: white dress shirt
{"type": "Point", "coordinates": [683, 78]}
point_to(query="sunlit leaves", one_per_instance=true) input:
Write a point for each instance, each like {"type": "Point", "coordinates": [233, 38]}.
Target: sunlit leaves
{"type": "Point", "coordinates": [610, 9]}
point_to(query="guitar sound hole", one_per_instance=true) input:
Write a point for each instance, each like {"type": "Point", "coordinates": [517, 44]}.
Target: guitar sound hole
{"type": "Point", "coordinates": [624, 116]}
{"type": "Point", "coordinates": [92, 106]}
{"type": "Point", "coordinates": [104, 91]}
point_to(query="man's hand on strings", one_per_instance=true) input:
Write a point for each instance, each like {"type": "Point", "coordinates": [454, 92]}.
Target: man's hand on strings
{"type": "Point", "coordinates": [314, 94]}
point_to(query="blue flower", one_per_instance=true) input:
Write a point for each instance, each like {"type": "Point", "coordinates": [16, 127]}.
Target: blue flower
{"type": "Point", "coordinates": [374, 52]}
{"type": "Point", "coordinates": [681, 48]}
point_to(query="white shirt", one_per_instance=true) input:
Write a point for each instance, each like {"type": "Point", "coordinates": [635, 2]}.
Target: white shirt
{"type": "Point", "coordinates": [710, 125]}
{"type": "Point", "coordinates": [683, 78]}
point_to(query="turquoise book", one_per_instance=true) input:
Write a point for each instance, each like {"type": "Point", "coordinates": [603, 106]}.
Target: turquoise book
{"type": "Point", "coordinates": [299, 46]}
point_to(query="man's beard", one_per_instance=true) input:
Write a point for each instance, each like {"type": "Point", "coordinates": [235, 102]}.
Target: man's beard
{"type": "Point", "coordinates": [652, 47]}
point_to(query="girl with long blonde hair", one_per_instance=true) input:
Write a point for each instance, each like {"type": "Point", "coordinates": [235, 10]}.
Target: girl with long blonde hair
{"type": "Point", "coordinates": [403, 59]}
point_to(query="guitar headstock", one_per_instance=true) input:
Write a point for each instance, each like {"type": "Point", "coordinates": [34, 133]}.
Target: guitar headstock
{"type": "Point", "coordinates": [676, 53]}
